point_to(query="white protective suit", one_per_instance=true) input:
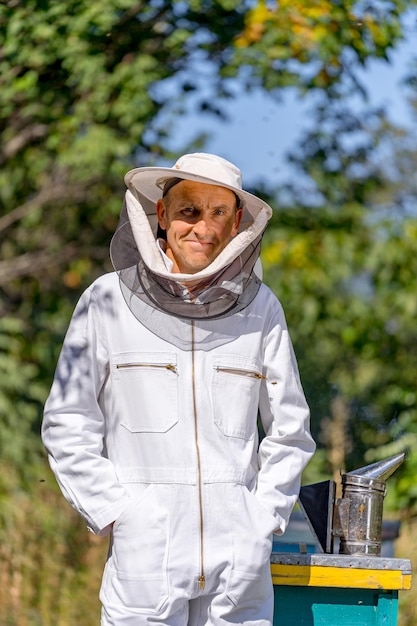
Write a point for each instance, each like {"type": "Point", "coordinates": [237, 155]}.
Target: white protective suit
{"type": "Point", "coordinates": [162, 440]}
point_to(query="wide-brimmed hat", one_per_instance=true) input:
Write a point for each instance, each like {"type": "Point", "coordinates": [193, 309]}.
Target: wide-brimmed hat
{"type": "Point", "coordinates": [200, 167]}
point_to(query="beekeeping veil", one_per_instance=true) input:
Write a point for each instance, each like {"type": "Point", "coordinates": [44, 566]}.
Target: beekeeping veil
{"type": "Point", "coordinates": [152, 292]}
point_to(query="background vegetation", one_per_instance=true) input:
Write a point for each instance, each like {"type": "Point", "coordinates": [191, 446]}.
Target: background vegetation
{"type": "Point", "coordinates": [89, 90]}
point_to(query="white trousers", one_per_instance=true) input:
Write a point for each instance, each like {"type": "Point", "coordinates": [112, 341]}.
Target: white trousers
{"type": "Point", "coordinates": [208, 610]}
{"type": "Point", "coordinates": [159, 549]}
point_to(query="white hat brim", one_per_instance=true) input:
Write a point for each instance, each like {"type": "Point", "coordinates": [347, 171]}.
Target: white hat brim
{"type": "Point", "coordinates": [148, 182]}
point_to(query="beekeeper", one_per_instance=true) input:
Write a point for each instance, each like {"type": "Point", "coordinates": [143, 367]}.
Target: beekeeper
{"type": "Point", "coordinates": [151, 424]}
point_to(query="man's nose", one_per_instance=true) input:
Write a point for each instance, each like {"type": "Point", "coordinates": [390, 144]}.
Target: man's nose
{"type": "Point", "coordinates": [202, 227]}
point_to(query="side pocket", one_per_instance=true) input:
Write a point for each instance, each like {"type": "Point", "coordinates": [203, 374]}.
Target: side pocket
{"type": "Point", "coordinates": [249, 587]}
{"type": "Point", "coordinates": [136, 572]}
{"type": "Point", "coordinates": [252, 545]}
{"type": "Point", "coordinates": [267, 518]}
{"type": "Point", "coordinates": [247, 591]}
{"type": "Point", "coordinates": [134, 504]}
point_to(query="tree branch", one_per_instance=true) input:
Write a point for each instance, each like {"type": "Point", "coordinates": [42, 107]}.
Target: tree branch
{"type": "Point", "coordinates": [53, 192]}
{"type": "Point", "coordinates": [26, 136]}
{"type": "Point", "coordinates": [35, 263]}
{"type": "Point", "coordinates": [32, 263]}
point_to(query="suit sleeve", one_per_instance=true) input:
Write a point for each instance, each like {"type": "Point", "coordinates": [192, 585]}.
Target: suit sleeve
{"type": "Point", "coordinates": [73, 425]}
{"type": "Point", "coordinates": [288, 445]}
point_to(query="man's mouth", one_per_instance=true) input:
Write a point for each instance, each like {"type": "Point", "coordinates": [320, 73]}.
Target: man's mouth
{"type": "Point", "coordinates": [195, 243]}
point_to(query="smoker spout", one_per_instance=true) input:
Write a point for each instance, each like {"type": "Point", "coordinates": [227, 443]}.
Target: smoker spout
{"type": "Point", "coordinates": [381, 470]}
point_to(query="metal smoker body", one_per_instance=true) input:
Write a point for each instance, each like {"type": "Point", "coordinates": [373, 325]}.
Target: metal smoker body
{"type": "Point", "coordinates": [356, 517]}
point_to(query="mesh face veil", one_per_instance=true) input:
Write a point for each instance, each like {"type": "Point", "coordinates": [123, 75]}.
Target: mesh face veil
{"type": "Point", "coordinates": [166, 302]}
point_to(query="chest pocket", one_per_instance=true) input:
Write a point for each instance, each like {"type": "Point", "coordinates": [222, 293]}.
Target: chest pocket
{"type": "Point", "coordinates": [235, 388]}
{"type": "Point", "coordinates": [146, 390]}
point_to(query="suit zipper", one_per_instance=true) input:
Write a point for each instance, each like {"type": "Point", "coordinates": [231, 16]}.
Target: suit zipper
{"type": "Point", "coordinates": [201, 578]}
{"type": "Point", "coordinates": [240, 372]}
{"type": "Point", "coordinates": [165, 366]}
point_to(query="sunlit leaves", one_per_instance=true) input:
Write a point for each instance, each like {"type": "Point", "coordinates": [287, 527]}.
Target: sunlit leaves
{"type": "Point", "coordinates": [21, 393]}
{"type": "Point", "coordinates": [312, 43]}
{"type": "Point", "coordinates": [83, 86]}
{"type": "Point", "coordinates": [342, 258]}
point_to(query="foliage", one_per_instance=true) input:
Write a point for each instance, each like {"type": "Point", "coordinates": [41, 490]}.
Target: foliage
{"type": "Point", "coordinates": [89, 90]}
{"type": "Point", "coordinates": [316, 44]}
{"type": "Point", "coordinates": [82, 100]}
{"type": "Point", "coordinates": [48, 560]}
{"type": "Point", "coordinates": [341, 255]}
{"type": "Point", "coordinates": [406, 548]}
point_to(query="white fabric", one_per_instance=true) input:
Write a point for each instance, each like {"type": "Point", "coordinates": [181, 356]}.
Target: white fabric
{"type": "Point", "coordinates": [120, 429]}
{"type": "Point", "coordinates": [199, 167]}
{"type": "Point", "coordinates": [161, 244]}
{"type": "Point", "coordinates": [145, 242]}
{"type": "Point", "coordinates": [223, 288]}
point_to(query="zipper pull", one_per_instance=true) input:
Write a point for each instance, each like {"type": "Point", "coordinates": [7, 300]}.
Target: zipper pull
{"type": "Point", "coordinates": [202, 582]}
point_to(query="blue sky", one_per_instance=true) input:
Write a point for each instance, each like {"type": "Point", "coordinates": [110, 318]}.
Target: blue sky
{"type": "Point", "coordinates": [260, 130]}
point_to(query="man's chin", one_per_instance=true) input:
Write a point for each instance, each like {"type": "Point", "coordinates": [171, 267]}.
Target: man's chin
{"type": "Point", "coordinates": [195, 266]}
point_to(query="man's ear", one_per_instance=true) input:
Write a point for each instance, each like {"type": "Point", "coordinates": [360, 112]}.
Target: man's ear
{"type": "Point", "coordinates": [238, 218]}
{"type": "Point", "coordinates": [161, 213]}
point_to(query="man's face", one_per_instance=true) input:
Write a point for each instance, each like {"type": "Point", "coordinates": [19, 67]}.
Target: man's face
{"type": "Point", "coordinates": [199, 220]}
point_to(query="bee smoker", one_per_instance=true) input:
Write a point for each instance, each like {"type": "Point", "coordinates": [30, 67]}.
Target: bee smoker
{"type": "Point", "coordinates": [356, 517]}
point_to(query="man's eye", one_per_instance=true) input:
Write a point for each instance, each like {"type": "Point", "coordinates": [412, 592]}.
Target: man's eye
{"type": "Point", "coordinates": [189, 211]}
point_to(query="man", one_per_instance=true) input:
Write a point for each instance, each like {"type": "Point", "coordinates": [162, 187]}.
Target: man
{"type": "Point", "coordinates": [151, 423]}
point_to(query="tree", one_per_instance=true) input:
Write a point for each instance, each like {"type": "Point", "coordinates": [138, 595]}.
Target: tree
{"type": "Point", "coordinates": [314, 250]}
{"type": "Point", "coordinates": [87, 91]}
{"type": "Point", "coordinates": [316, 44]}
{"type": "Point", "coordinates": [82, 101]}
{"type": "Point", "coordinates": [341, 255]}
